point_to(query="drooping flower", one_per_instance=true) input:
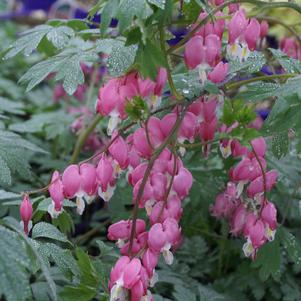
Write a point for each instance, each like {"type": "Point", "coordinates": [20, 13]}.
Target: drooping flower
{"type": "Point", "coordinates": [56, 191]}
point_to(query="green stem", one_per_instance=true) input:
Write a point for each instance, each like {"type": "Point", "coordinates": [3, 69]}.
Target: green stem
{"type": "Point", "coordinates": [83, 137]}
{"type": "Point", "coordinates": [85, 133]}
{"type": "Point", "coordinates": [263, 5]}
{"type": "Point", "coordinates": [169, 77]}
{"type": "Point", "coordinates": [258, 78]}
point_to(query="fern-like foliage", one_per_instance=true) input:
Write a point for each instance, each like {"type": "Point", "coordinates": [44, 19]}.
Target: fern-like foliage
{"type": "Point", "coordinates": [14, 156]}
{"type": "Point", "coordinates": [14, 267]}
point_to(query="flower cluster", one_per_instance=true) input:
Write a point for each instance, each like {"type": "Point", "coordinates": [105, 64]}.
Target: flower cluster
{"type": "Point", "coordinates": [150, 156]}
{"type": "Point", "coordinates": [244, 202]}
{"type": "Point", "coordinates": [291, 47]}
{"type": "Point", "coordinates": [203, 50]}
{"type": "Point", "coordinates": [117, 92]}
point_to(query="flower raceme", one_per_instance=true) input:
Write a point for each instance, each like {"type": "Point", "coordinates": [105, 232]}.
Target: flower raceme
{"type": "Point", "coordinates": [155, 170]}
{"type": "Point", "coordinates": [249, 213]}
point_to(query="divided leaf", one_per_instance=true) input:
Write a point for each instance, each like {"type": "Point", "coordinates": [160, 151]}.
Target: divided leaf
{"type": "Point", "coordinates": [128, 9]}
{"type": "Point", "coordinates": [46, 230]}
{"type": "Point", "coordinates": [30, 40]}
{"type": "Point", "coordinates": [14, 156]}
{"type": "Point", "coordinates": [14, 267]}
{"type": "Point", "coordinates": [269, 259]}
{"type": "Point", "coordinates": [66, 65]}
{"type": "Point", "coordinates": [290, 65]}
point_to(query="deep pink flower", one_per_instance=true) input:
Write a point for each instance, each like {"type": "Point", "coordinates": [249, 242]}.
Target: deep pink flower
{"type": "Point", "coordinates": [71, 180]}
{"type": "Point", "coordinates": [264, 28]}
{"type": "Point", "coordinates": [159, 185]}
{"type": "Point", "coordinates": [137, 174]}
{"type": "Point", "coordinates": [269, 215]}
{"type": "Point", "coordinates": [88, 178]}
{"type": "Point", "coordinates": [219, 72]}
{"type": "Point", "coordinates": [160, 81]}
{"type": "Point", "coordinates": [257, 185]}
{"type": "Point", "coordinates": [122, 229]}
{"type": "Point", "coordinates": [182, 182]}
{"type": "Point", "coordinates": [199, 50]}
{"type": "Point", "coordinates": [252, 33]}
{"type": "Point", "coordinates": [238, 220]}
{"type": "Point", "coordinates": [150, 260]}
{"type": "Point", "coordinates": [141, 144]}
{"type": "Point", "coordinates": [119, 151]}
{"type": "Point", "coordinates": [105, 173]}
{"type": "Point", "coordinates": [259, 146]}
{"type": "Point", "coordinates": [26, 213]}
{"type": "Point", "coordinates": [147, 195]}
{"type": "Point", "coordinates": [161, 210]}
{"type": "Point", "coordinates": [56, 190]}
{"type": "Point", "coordinates": [237, 25]}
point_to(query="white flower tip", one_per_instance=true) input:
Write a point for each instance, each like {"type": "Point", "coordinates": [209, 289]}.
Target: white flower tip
{"type": "Point", "coordinates": [113, 123]}
{"type": "Point", "coordinates": [248, 249]}
{"type": "Point", "coordinates": [80, 205]}
{"type": "Point", "coordinates": [54, 213]}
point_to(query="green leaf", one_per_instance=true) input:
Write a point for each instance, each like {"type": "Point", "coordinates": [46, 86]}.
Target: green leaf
{"type": "Point", "coordinates": [285, 114]}
{"type": "Point", "coordinates": [188, 83]}
{"type": "Point", "coordinates": [6, 195]}
{"type": "Point", "coordinates": [208, 294]}
{"type": "Point", "coordinates": [9, 106]}
{"type": "Point", "coordinates": [5, 175]}
{"type": "Point", "coordinates": [191, 9]}
{"type": "Point", "coordinates": [289, 64]}
{"type": "Point", "coordinates": [280, 144]}
{"type": "Point", "coordinates": [45, 230]}
{"type": "Point", "coordinates": [89, 282]}
{"type": "Point", "coordinates": [237, 110]}
{"type": "Point", "coordinates": [149, 58]}
{"type": "Point", "coordinates": [128, 9]}
{"type": "Point", "coordinates": [10, 88]}
{"type": "Point", "coordinates": [66, 65]}
{"type": "Point", "coordinates": [30, 40]}
{"type": "Point", "coordinates": [258, 91]}
{"type": "Point", "coordinates": [108, 12]}
{"type": "Point", "coordinates": [134, 36]}
{"type": "Point", "coordinates": [33, 247]}
{"type": "Point", "coordinates": [71, 293]}
{"type": "Point", "coordinates": [121, 59]}
{"type": "Point", "coordinates": [43, 206]}
{"type": "Point", "coordinates": [106, 250]}
{"type": "Point", "coordinates": [158, 3]}
{"type": "Point", "coordinates": [87, 270]}
{"type": "Point", "coordinates": [164, 17]}
{"type": "Point", "coordinates": [61, 257]}
{"type": "Point", "coordinates": [292, 86]}
{"type": "Point", "coordinates": [60, 36]}
{"type": "Point", "coordinates": [181, 293]}
{"type": "Point", "coordinates": [14, 156]}
{"type": "Point", "coordinates": [52, 123]}
{"type": "Point", "coordinates": [252, 64]}
{"type": "Point", "coordinates": [268, 259]}
{"type": "Point", "coordinates": [14, 267]}
{"type": "Point", "coordinates": [107, 45]}
{"type": "Point", "coordinates": [291, 245]}
{"type": "Point", "coordinates": [64, 221]}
